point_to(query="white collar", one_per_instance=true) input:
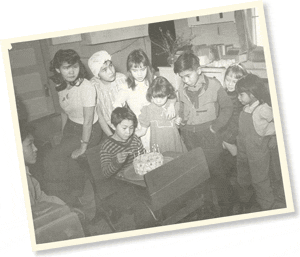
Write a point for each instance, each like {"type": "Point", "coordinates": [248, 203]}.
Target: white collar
{"type": "Point", "coordinates": [251, 108]}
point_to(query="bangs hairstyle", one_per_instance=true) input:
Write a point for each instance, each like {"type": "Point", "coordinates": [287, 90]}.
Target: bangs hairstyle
{"type": "Point", "coordinates": [237, 69]}
{"type": "Point", "coordinates": [161, 88]}
{"type": "Point", "coordinates": [252, 84]}
{"type": "Point", "coordinates": [122, 113]}
{"type": "Point", "coordinates": [186, 61]}
{"type": "Point", "coordinates": [65, 56]}
{"type": "Point", "coordinates": [135, 59]}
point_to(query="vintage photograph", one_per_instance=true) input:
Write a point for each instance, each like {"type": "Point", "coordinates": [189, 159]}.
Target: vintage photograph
{"type": "Point", "coordinates": [150, 127]}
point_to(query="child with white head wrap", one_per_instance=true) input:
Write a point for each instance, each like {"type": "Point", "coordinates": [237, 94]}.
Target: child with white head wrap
{"type": "Point", "coordinates": [97, 60]}
{"type": "Point", "coordinates": [108, 83]}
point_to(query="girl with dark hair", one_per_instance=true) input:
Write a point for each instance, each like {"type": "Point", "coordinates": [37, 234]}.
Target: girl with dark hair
{"type": "Point", "coordinates": [153, 116]}
{"type": "Point", "coordinates": [255, 138]}
{"type": "Point", "coordinates": [139, 77]}
{"type": "Point", "coordinates": [72, 60]}
{"type": "Point", "coordinates": [80, 126]}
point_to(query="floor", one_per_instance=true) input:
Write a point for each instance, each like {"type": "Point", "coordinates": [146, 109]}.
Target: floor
{"type": "Point", "coordinates": [126, 221]}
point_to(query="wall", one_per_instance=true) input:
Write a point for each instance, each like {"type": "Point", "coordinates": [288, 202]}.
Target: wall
{"type": "Point", "coordinates": [217, 33]}
{"type": "Point", "coordinates": [205, 34]}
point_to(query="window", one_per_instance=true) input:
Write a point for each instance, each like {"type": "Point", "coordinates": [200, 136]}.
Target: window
{"type": "Point", "coordinates": [256, 32]}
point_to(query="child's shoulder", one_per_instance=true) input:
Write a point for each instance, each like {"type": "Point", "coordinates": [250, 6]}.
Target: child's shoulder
{"type": "Point", "coordinates": [107, 143]}
{"type": "Point", "coordinates": [136, 139]}
{"type": "Point", "coordinates": [86, 84]}
{"type": "Point", "coordinates": [213, 82]}
{"type": "Point", "coordinates": [95, 81]}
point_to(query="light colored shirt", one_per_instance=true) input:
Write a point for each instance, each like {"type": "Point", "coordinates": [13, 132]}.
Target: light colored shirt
{"type": "Point", "coordinates": [136, 100]}
{"type": "Point", "coordinates": [107, 94]}
{"type": "Point", "coordinates": [74, 99]}
{"type": "Point", "coordinates": [262, 116]}
{"type": "Point", "coordinates": [36, 194]}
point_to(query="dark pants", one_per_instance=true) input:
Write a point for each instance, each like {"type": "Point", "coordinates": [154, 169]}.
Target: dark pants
{"type": "Point", "coordinates": [63, 175]}
{"type": "Point", "coordinates": [211, 145]}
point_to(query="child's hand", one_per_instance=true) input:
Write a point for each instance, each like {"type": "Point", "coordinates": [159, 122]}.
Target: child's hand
{"type": "Point", "coordinates": [121, 157]}
{"type": "Point", "coordinates": [170, 112]}
{"type": "Point", "coordinates": [177, 120]}
{"type": "Point", "coordinates": [272, 143]}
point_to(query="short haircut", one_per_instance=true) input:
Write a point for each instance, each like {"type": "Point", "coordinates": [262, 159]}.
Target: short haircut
{"type": "Point", "coordinates": [123, 113]}
{"type": "Point", "coordinates": [252, 84]}
{"type": "Point", "coordinates": [186, 61]}
{"type": "Point", "coordinates": [161, 88]}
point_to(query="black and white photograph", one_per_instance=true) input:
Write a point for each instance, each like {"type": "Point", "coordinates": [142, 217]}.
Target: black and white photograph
{"type": "Point", "coordinates": [156, 125]}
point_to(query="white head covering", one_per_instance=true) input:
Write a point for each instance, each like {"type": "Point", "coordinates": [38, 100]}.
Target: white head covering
{"type": "Point", "coordinates": [97, 60]}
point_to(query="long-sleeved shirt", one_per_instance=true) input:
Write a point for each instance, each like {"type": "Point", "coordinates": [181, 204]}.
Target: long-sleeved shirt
{"type": "Point", "coordinates": [109, 150]}
{"type": "Point", "coordinates": [107, 94]}
{"type": "Point", "coordinates": [36, 194]}
{"type": "Point", "coordinates": [210, 105]}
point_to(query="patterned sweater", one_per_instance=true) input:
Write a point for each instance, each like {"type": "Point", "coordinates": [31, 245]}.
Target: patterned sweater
{"type": "Point", "coordinates": [109, 150]}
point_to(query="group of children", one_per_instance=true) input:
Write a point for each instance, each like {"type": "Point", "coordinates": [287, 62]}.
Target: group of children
{"type": "Point", "coordinates": [140, 110]}
{"type": "Point", "coordinates": [205, 114]}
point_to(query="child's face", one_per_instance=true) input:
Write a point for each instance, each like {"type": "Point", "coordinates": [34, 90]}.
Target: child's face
{"type": "Point", "coordinates": [107, 72]}
{"type": "Point", "coordinates": [230, 81]}
{"type": "Point", "coordinates": [139, 72]}
{"type": "Point", "coordinates": [159, 101]}
{"type": "Point", "coordinates": [124, 130]}
{"type": "Point", "coordinates": [190, 77]}
{"type": "Point", "coordinates": [245, 98]}
{"type": "Point", "coordinates": [29, 150]}
{"type": "Point", "coordinates": [69, 72]}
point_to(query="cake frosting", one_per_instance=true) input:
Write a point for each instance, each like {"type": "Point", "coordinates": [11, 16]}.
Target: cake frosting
{"type": "Point", "coordinates": [144, 163]}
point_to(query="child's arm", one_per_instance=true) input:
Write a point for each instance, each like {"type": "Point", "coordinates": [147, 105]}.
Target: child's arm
{"type": "Point", "coordinates": [110, 163]}
{"type": "Point", "coordinates": [144, 120]}
{"type": "Point", "coordinates": [230, 131]}
{"type": "Point", "coordinates": [102, 122]}
{"type": "Point", "coordinates": [225, 110]}
{"type": "Point", "coordinates": [171, 109]}
{"type": "Point", "coordinates": [41, 196]}
{"type": "Point", "coordinates": [121, 98]}
{"type": "Point", "coordinates": [88, 114]}
{"type": "Point", "coordinates": [64, 119]}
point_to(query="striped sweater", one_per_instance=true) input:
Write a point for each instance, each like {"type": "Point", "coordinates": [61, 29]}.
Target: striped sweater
{"type": "Point", "coordinates": [109, 150]}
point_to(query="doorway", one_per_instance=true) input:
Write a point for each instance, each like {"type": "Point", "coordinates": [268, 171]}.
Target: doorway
{"type": "Point", "coordinates": [30, 79]}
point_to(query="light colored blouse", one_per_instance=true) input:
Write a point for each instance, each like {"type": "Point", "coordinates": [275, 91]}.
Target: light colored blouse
{"type": "Point", "coordinates": [74, 99]}
{"type": "Point", "coordinates": [262, 116]}
{"type": "Point", "coordinates": [107, 94]}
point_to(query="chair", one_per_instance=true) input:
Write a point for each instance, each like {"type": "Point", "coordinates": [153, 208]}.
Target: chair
{"type": "Point", "coordinates": [107, 191]}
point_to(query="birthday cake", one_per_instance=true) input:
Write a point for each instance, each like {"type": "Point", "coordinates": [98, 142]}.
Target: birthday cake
{"type": "Point", "coordinates": [144, 163]}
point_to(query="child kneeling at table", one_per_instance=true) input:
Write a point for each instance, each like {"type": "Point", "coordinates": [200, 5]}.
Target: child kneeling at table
{"type": "Point", "coordinates": [117, 153]}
